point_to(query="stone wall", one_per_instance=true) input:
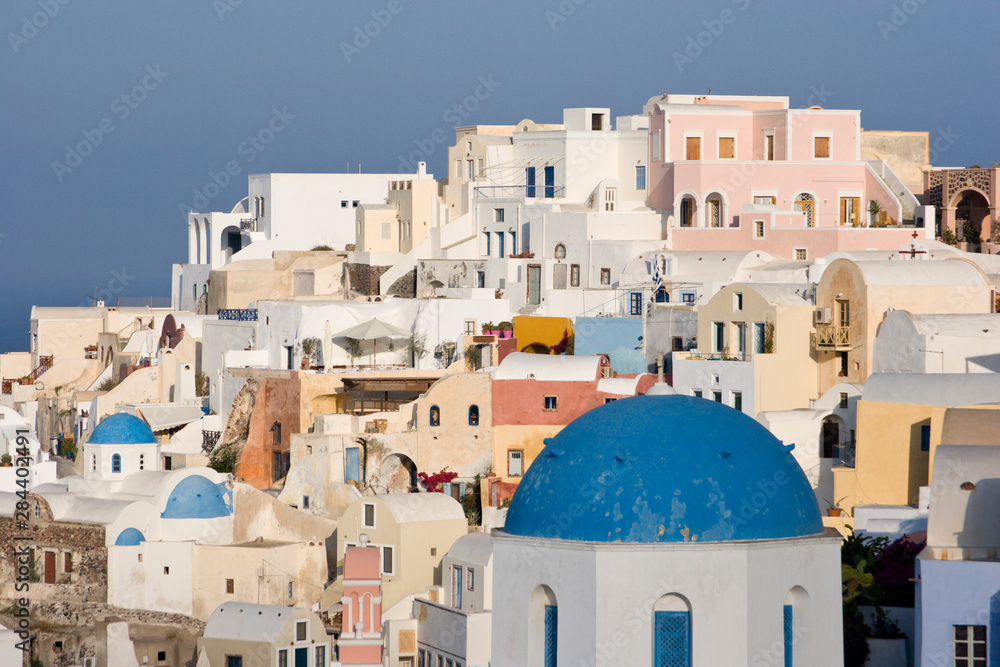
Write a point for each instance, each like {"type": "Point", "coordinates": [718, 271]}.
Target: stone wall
{"type": "Point", "coordinates": [406, 286]}
{"type": "Point", "coordinates": [364, 278]}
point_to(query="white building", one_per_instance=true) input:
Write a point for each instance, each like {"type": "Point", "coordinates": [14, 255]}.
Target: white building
{"type": "Point", "coordinates": [956, 343]}
{"type": "Point", "coordinates": [662, 529]}
{"type": "Point", "coordinates": [256, 635]}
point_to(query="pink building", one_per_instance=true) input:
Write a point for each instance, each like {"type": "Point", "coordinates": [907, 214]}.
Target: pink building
{"type": "Point", "coordinates": [739, 173]}
{"type": "Point", "coordinates": [361, 638]}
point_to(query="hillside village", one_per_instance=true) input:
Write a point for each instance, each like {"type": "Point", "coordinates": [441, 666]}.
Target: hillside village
{"type": "Point", "coordinates": [611, 388]}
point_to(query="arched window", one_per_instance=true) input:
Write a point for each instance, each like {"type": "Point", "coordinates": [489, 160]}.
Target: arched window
{"type": "Point", "coordinates": [795, 626]}
{"type": "Point", "coordinates": [543, 635]}
{"type": "Point", "coordinates": [560, 251]}
{"type": "Point", "coordinates": [672, 631]}
{"type": "Point", "coordinates": [435, 415]}
{"type": "Point", "coordinates": [116, 463]}
{"type": "Point", "coordinates": [473, 415]}
{"type": "Point", "coordinates": [715, 210]}
{"type": "Point", "coordinates": [805, 203]}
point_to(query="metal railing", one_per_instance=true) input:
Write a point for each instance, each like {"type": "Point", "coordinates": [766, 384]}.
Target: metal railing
{"type": "Point", "coordinates": [833, 336]}
{"type": "Point", "coordinates": [518, 191]}
{"type": "Point", "coordinates": [209, 439]}
{"type": "Point", "coordinates": [238, 314]}
{"type": "Point", "coordinates": [248, 224]}
{"type": "Point", "coordinates": [843, 454]}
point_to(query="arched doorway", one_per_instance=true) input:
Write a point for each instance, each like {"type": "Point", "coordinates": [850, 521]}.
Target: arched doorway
{"type": "Point", "coordinates": [833, 444]}
{"type": "Point", "coordinates": [972, 211]}
{"type": "Point", "coordinates": [231, 241]}
{"type": "Point", "coordinates": [715, 210]}
{"type": "Point", "coordinates": [398, 474]}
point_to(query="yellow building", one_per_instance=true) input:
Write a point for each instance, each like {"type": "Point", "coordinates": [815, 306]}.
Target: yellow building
{"type": "Point", "coordinates": [852, 299]}
{"type": "Point", "coordinates": [901, 420]}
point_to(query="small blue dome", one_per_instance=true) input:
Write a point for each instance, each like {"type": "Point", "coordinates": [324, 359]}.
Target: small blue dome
{"type": "Point", "coordinates": [197, 497]}
{"type": "Point", "coordinates": [130, 537]}
{"type": "Point", "coordinates": [664, 469]}
{"type": "Point", "coordinates": [122, 429]}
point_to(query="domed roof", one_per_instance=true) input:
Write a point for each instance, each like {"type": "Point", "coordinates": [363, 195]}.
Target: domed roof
{"type": "Point", "coordinates": [197, 497]}
{"type": "Point", "coordinates": [130, 537]}
{"type": "Point", "coordinates": [122, 429]}
{"type": "Point", "coordinates": [664, 469]}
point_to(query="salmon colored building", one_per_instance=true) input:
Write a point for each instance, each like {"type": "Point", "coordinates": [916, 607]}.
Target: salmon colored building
{"type": "Point", "coordinates": [534, 397]}
{"type": "Point", "coordinates": [737, 173]}
{"type": "Point", "coordinates": [361, 638]}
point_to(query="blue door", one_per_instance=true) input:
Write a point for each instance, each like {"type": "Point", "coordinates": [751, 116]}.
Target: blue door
{"type": "Point", "coordinates": [551, 634]}
{"type": "Point", "coordinates": [500, 245]}
{"type": "Point", "coordinates": [352, 469]}
{"type": "Point", "coordinates": [550, 181]}
{"type": "Point", "coordinates": [672, 639]}
{"type": "Point", "coordinates": [788, 635]}
{"type": "Point", "coordinates": [302, 657]}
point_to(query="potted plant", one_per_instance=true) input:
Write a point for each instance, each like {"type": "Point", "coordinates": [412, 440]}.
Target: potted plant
{"type": "Point", "coordinates": [874, 208]}
{"type": "Point", "coordinates": [490, 329]}
{"type": "Point", "coordinates": [834, 508]}
{"type": "Point", "coordinates": [506, 329]}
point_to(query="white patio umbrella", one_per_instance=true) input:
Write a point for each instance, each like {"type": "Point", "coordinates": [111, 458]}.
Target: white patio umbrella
{"type": "Point", "coordinates": [373, 329]}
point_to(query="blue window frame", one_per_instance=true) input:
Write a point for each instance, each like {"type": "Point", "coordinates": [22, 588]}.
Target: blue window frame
{"type": "Point", "coordinates": [435, 416]}
{"type": "Point", "coordinates": [635, 303]}
{"type": "Point", "coordinates": [529, 178]}
{"type": "Point", "coordinates": [116, 463]}
{"type": "Point", "coordinates": [290, 589]}
{"type": "Point", "coordinates": [672, 639]}
{"type": "Point", "coordinates": [500, 245]}
{"type": "Point", "coordinates": [640, 178]}
{"type": "Point", "coordinates": [551, 632]}
{"type": "Point", "coordinates": [662, 295]}
{"type": "Point", "coordinates": [473, 415]}
{"type": "Point", "coordinates": [550, 181]}
{"type": "Point", "coordinates": [788, 635]}
{"type": "Point", "coordinates": [487, 235]}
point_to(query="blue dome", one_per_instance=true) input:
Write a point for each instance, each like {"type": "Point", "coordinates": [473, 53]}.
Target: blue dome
{"type": "Point", "coordinates": [664, 469]}
{"type": "Point", "coordinates": [197, 497]}
{"type": "Point", "coordinates": [122, 429]}
{"type": "Point", "coordinates": [130, 537]}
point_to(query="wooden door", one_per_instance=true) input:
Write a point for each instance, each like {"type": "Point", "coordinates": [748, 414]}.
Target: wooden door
{"type": "Point", "coordinates": [50, 567]}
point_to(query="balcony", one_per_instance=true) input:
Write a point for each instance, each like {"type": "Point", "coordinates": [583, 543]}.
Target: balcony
{"type": "Point", "coordinates": [248, 224]}
{"type": "Point", "coordinates": [209, 440]}
{"type": "Point", "coordinates": [238, 314]}
{"type": "Point", "coordinates": [843, 454]}
{"type": "Point", "coordinates": [518, 191]}
{"type": "Point", "coordinates": [833, 338]}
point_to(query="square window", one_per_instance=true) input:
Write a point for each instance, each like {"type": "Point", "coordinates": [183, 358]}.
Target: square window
{"type": "Point", "coordinates": [843, 400]}
{"type": "Point", "coordinates": [677, 343]}
{"type": "Point", "coordinates": [640, 177]}
{"type": "Point", "coordinates": [301, 631]}
{"type": "Point", "coordinates": [801, 254]}
{"type": "Point", "coordinates": [758, 229]}
{"type": "Point", "coordinates": [821, 147]}
{"type": "Point", "coordinates": [354, 204]}
{"type": "Point", "coordinates": [166, 570]}
{"type": "Point", "coordinates": [550, 403]}
{"type": "Point", "coordinates": [605, 276]}
{"type": "Point", "coordinates": [343, 203]}
{"type": "Point", "coordinates": [727, 148]}
{"type": "Point", "coordinates": [515, 462]}
{"type": "Point", "coordinates": [738, 302]}
{"type": "Point", "coordinates": [969, 642]}
{"type": "Point", "coordinates": [230, 586]}
{"type": "Point", "coordinates": [498, 215]}
{"type": "Point", "coordinates": [696, 393]}
{"type": "Point", "coordinates": [717, 396]}
{"type": "Point", "coordinates": [161, 656]}
{"type": "Point", "coordinates": [470, 327]}
{"type": "Point", "coordinates": [369, 515]}
{"type": "Point", "coordinates": [434, 551]}
{"type": "Point", "coordinates": [687, 297]}
{"type": "Point", "coordinates": [237, 661]}
{"type": "Point", "coordinates": [387, 565]}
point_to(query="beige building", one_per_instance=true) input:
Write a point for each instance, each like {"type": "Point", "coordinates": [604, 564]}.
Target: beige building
{"type": "Point", "coordinates": [256, 635]}
{"type": "Point", "coordinates": [413, 532]}
{"type": "Point", "coordinates": [287, 274]}
{"type": "Point", "coordinates": [852, 299]}
{"type": "Point", "coordinates": [412, 208]}
{"type": "Point", "coordinates": [753, 350]}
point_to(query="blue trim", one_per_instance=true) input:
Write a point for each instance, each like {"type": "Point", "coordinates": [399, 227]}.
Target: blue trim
{"type": "Point", "coordinates": [116, 463]}
{"type": "Point", "coordinates": [551, 634]}
{"type": "Point", "coordinates": [130, 537]}
{"type": "Point", "coordinates": [672, 640]}
{"type": "Point", "coordinates": [788, 635]}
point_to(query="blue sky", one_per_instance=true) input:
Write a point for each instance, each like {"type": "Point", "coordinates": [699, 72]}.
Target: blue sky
{"type": "Point", "coordinates": [161, 95]}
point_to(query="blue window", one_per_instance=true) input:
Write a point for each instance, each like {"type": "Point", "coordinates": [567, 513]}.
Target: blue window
{"type": "Point", "coordinates": [500, 245]}
{"type": "Point", "coordinates": [435, 415]}
{"type": "Point", "coordinates": [352, 469]}
{"type": "Point", "coordinates": [290, 589]}
{"type": "Point", "coordinates": [662, 296]}
{"type": "Point", "coordinates": [673, 639]}
{"type": "Point", "coordinates": [116, 463]}
{"type": "Point", "coordinates": [487, 235]}
{"type": "Point", "coordinates": [925, 438]}
{"type": "Point", "coordinates": [529, 179]}
{"type": "Point", "coordinates": [551, 632]}
{"type": "Point", "coordinates": [788, 635]}
{"type": "Point", "coordinates": [473, 415]}
{"type": "Point", "coordinates": [550, 181]}
{"type": "Point", "coordinates": [635, 303]}
{"type": "Point", "coordinates": [640, 178]}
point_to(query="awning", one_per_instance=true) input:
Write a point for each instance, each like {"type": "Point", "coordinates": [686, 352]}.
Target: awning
{"type": "Point", "coordinates": [163, 417]}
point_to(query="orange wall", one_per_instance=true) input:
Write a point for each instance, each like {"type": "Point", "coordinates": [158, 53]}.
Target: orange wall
{"type": "Point", "coordinates": [278, 400]}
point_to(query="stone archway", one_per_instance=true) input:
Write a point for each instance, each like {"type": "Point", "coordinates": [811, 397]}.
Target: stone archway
{"type": "Point", "coordinates": [972, 208]}
{"type": "Point", "coordinates": [398, 474]}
